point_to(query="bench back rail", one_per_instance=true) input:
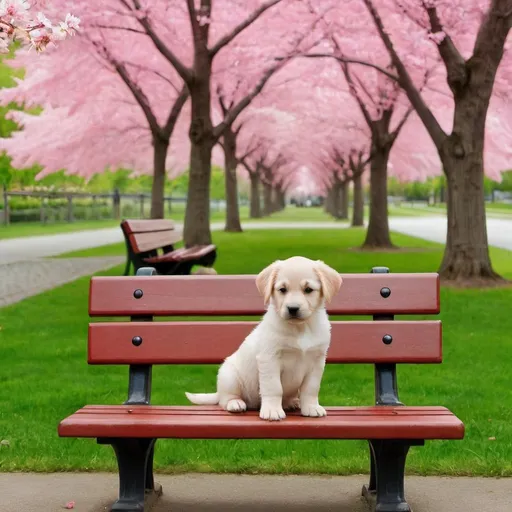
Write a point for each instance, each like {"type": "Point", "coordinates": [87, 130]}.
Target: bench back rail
{"type": "Point", "coordinates": [142, 343]}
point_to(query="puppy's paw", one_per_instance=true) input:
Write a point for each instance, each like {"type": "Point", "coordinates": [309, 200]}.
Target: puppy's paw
{"type": "Point", "coordinates": [272, 413]}
{"type": "Point", "coordinates": [313, 410]}
{"type": "Point", "coordinates": [236, 405]}
{"type": "Point", "coordinates": [292, 405]}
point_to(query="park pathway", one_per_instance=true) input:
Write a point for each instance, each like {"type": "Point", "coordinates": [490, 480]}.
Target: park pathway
{"type": "Point", "coordinates": [94, 492]}
{"type": "Point", "coordinates": [24, 272]}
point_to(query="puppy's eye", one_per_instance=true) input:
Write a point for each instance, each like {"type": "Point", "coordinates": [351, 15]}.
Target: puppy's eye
{"type": "Point", "coordinates": [282, 290]}
{"type": "Point", "coordinates": [308, 290]}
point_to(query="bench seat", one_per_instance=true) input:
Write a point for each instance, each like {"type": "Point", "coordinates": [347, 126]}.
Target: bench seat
{"type": "Point", "coordinates": [211, 422]}
{"type": "Point", "coordinates": [183, 254]}
{"type": "Point", "coordinates": [152, 242]}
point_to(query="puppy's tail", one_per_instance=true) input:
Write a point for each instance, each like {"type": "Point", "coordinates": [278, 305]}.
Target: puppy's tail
{"type": "Point", "coordinates": [203, 398]}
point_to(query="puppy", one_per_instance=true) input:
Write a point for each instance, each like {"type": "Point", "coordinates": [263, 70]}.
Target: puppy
{"type": "Point", "coordinates": [280, 364]}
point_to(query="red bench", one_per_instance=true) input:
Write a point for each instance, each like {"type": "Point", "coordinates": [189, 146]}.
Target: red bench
{"type": "Point", "coordinates": [132, 429]}
{"type": "Point", "coordinates": [152, 242]}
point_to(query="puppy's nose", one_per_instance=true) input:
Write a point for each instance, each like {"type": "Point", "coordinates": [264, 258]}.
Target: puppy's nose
{"type": "Point", "coordinates": [293, 310]}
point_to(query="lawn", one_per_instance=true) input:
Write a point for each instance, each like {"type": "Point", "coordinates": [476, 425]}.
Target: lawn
{"type": "Point", "coordinates": [44, 375]}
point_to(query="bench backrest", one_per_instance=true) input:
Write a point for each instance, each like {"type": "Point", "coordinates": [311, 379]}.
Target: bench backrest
{"type": "Point", "coordinates": [149, 235]}
{"type": "Point", "coordinates": [142, 343]}
{"type": "Point", "coordinates": [142, 298]}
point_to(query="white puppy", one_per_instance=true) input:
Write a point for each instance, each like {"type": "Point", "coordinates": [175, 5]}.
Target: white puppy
{"type": "Point", "coordinates": [280, 364]}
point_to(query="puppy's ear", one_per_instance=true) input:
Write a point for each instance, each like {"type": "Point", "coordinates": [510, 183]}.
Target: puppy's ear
{"type": "Point", "coordinates": [330, 280]}
{"type": "Point", "coordinates": [266, 279]}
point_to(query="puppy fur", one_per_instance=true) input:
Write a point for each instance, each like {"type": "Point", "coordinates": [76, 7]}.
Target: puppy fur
{"type": "Point", "coordinates": [279, 366]}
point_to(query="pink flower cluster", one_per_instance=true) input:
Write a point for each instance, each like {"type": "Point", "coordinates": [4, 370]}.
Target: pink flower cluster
{"type": "Point", "coordinates": [18, 24]}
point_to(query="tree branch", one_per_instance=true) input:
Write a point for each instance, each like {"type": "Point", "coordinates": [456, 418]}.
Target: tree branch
{"type": "Point", "coordinates": [185, 72]}
{"type": "Point", "coordinates": [175, 112]}
{"type": "Point", "coordinates": [137, 92]}
{"type": "Point", "coordinates": [457, 73]}
{"type": "Point", "coordinates": [157, 73]}
{"type": "Point", "coordinates": [241, 27]}
{"type": "Point", "coordinates": [117, 27]}
{"type": "Point", "coordinates": [429, 120]}
{"type": "Point", "coordinates": [351, 61]}
{"type": "Point", "coordinates": [236, 110]}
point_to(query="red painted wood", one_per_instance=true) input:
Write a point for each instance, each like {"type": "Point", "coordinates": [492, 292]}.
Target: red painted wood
{"type": "Point", "coordinates": [182, 254]}
{"type": "Point", "coordinates": [210, 295]}
{"type": "Point", "coordinates": [147, 226]}
{"type": "Point", "coordinates": [211, 342]}
{"type": "Point", "coordinates": [197, 422]}
{"type": "Point", "coordinates": [142, 242]}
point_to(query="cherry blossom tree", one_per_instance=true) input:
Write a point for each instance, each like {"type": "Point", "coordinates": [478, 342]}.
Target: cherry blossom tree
{"type": "Point", "coordinates": [18, 22]}
{"type": "Point", "coordinates": [471, 40]}
{"type": "Point", "coordinates": [114, 118]}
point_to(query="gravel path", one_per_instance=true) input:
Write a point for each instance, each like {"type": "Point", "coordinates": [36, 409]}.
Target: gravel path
{"type": "Point", "coordinates": [26, 278]}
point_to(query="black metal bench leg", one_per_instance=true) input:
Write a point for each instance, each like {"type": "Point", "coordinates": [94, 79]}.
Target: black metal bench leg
{"type": "Point", "coordinates": [127, 268]}
{"type": "Point", "coordinates": [389, 456]}
{"type": "Point", "coordinates": [370, 490]}
{"type": "Point", "coordinates": [136, 484]}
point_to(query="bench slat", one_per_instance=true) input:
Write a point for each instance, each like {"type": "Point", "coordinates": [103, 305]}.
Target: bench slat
{"type": "Point", "coordinates": [182, 254]}
{"type": "Point", "coordinates": [147, 226]}
{"type": "Point", "coordinates": [142, 242]}
{"type": "Point", "coordinates": [197, 422]}
{"type": "Point", "coordinates": [211, 342]}
{"type": "Point", "coordinates": [237, 295]}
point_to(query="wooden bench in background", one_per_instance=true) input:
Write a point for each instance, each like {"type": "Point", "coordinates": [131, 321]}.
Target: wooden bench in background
{"type": "Point", "coordinates": [151, 242]}
{"type": "Point", "coordinates": [132, 429]}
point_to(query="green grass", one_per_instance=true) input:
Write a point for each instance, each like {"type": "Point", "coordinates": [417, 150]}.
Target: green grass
{"type": "Point", "coordinates": [44, 375]}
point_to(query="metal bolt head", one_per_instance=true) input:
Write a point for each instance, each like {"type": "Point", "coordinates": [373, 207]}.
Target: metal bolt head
{"type": "Point", "coordinates": [387, 339]}
{"type": "Point", "coordinates": [385, 292]}
{"type": "Point", "coordinates": [137, 340]}
{"type": "Point", "coordinates": [138, 293]}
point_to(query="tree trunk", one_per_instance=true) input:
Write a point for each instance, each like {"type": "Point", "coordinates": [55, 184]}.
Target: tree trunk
{"type": "Point", "coordinates": [328, 203]}
{"type": "Point", "coordinates": [267, 199]}
{"type": "Point", "coordinates": [233, 224]}
{"type": "Point", "coordinates": [466, 257]}
{"type": "Point", "coordinates": [255, 211]}
{"type": "Point", "coordinates": [358, 210]}
{"type": "Point", "coordinates": [276, 199]}
{"type": "Point", "coordinates": [336, 200]}
{"type": "Point", "coordinates": [196, 230]}
{"type": "Point", "coordinates": [344, 200]}
{"type": "Point", "coordinates": [281, 199]}
{"type": "Point", "coordinates": [158, 187]}
{"type": "Point", "coordinates": [377, 235]}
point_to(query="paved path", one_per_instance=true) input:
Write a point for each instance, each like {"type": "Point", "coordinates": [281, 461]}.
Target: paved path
{"type": "Point", "coordinates": [430, 228]}
{"type": "Point", "coordinates": [235, 493]}
{"type": "Point", "coordinates": [499, 231]}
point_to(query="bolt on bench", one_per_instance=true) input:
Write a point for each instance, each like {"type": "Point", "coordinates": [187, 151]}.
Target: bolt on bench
{"type": "Point", "coordinates": [146, 238]}
{"type": "Point", "coordinates": [132, 429]}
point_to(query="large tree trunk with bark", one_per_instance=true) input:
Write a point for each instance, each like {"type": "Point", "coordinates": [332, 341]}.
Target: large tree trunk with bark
{"type": "Point", "coordinates": [233, 224]}
{"type": "Point", "coordinates": [466, 257]}
{"type": "Point", "coordinates": [196, 230]}
{"type": "Point", "coordinates": [267, 199]}
{"type": "Point", "coordinates": [344, 200]}
{"type": "Point", "coordinates": [255, 208]}
{"type": "Point", "coordinates": [160, 147]}
{"type": "Point", "coordinates": [358, 210]}
{"type": "Point", "coordinates": [377, 235]}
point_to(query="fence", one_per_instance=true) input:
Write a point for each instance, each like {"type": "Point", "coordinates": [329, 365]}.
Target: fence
{"type": "Point", "coordinates": [52, 207]}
